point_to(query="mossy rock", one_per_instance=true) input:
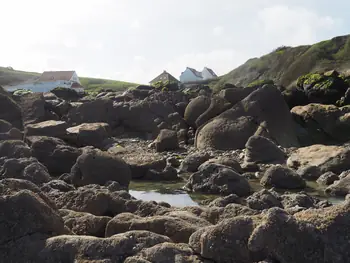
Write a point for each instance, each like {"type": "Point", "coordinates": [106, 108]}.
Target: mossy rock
{"type": "Point", "coordinates": [325, 88]}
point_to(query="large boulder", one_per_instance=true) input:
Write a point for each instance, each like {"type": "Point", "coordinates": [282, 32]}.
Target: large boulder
{"type": "Point", "coordinates": [88, 134]}
{"type": "Point", "coordinates": [25, 214]}
{"type": "Point", "coordinates": [97, 167]}
{"type": "Point", "coordinates": [235, 95]}
{"type": "Point", "coordinates": [67, 94]}
{"type": "Point", "coordinates": [285, 239]}
{"type": "Point", "coordinates": [84, 224]}
{"type": "Point", "coordinates": [262, 150]}
{"type": "Point", "coordinates": [166, 252]}
{"type": "Point", "coordinates": [193, 161]}
{"type": "Point", "coordinates": [5, 126]}
{"type": "Point", "coordinates": [340, 187]}
{"type": "Point", "coordinates": [226, 242]}
{"type": "Point", "coordinates": [12, 186]}
{"type": "Point", "coordinates": [10, 111]}
{"type": "Point", "coordinates": [195, 109]}
{"type": "Point", "coordinates": [324, 123]}
{"type": "Point", "coordinates": [327, 179]}
{"type": "Point", "coordinates": [166, 141]}
{"type": "Point", "coordinates": [177, 229]}
{"type": "Point", "coordinates": [264, 199]}
{"type": "Point", "coordinates": [54, 153]}
{"type": "Point", "coordinates": [326, 157]}
{"type": "Point", "coordinates": [282, 177]}
{"type": "Point", "coordinates": [14, 149]}
{"type": "Point", "coordinates": [88, 249]}
{"type": "Point", "coordinates": [96, 111]}
{"type": "Point", "coordinates": [218, 179]}
{"type": "Point", "coordinates": [217, 106]}
{"type": "Point", "coordinates": [232, 128]}
{"type": "Point", "coordinates": [334, 224]}
{"type": "Point", "coordinates": [25, 168]}
{"type": "Point", "coordinates": [47, 128]}
{"type": "Point", "coordinates": [223, 160]}
{"type": "Point", "coordinates": [326, 88]}
{"type": "Point", "coordinates": [33, 108]}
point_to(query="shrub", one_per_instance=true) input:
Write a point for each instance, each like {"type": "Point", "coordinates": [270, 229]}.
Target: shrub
{"type": "Point", "coordinates": [260, 82]}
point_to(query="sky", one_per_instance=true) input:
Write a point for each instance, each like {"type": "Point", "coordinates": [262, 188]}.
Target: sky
{"type": "Point", "coordinates": [135, 40]}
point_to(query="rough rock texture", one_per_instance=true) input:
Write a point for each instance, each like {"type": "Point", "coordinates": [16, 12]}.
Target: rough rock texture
{"type": "Point", "coordinates": [168, 174]}
{"type": "Point", "coordinates": [264, 199]}
{"type": "Point", "coordinates": [54, 153]}
{"type": "Point", "coordinates": [264, 105]}
{"type": "Point", "coordinates": [328, 158]}
{"type": "Point", "coordinates": [310, 172]}
{"type": "Point", "coordinates": [99, 110]}
{"type": "Point", "coordinates": [193, 161]}
{"type": "Point", "coordinates": [33, 108]}
{"type": "Point", "coordinates": [218, 179]}
{"type": "Point", "coordinates": [195, 108]}
{"type": "Point", "coordinates": [85, 224]}
{"type": "Point", "coordinates": [227, 161]}
{"type": "Point", "coordinates": [5, 126]}
{"type": "Point", "coordinates": [166, 141]}
{"type": "Point", "coordinates": [87, 249]}
{"type": "Point", "coordinates": [166, 252]}
{"type": "Point", "coordinates": [282, 177]}
{"type": "Point", "coordinates": [104, 201]}
{"type": "Point", "coordinates": [340, 187]}
{"type": "Point", "coordinates": [235, 95]}
{"type": "Point", "coordinates": [177, 229]}
{"type": "Point", "coordinates": [97, 167]}
{"type": "Point", "coordinates": [217, 106]}
{"type": "Point", "coordinates": [89, 134]}
{"type": "Point", "coordinates": [324, 123]}
{"type": "Point", "coordinates": [13, 186]}
{"type": "Point", "coordinates": [25, 168]}
{"type": "Point", "coordinates": [10, 111]}
{"type": "Point", "coordinates": [224, 201]}
{"type": "Point", "coordinates": [279, 236]}
{"type": "Point", "coordinates": [13, 134]}
{"type": "Point", "coordinates": [334, 225]}
{"type": "Point", "coordinates": [226, 242]}
{"type": "Point", "coordinates": [32, 215]}
{"type": "Point", "coordinates": [327, 179]}
{"type": "Point", "coordinates": [291, 200]}
{"type": "Point", "coordinates": [47, 128]}
{"type": "Point", "coordinates": [262, 150]}
{"type": "Point", "coordinates": [14, 149]}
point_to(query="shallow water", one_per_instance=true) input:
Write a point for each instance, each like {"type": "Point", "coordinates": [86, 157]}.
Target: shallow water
{"type": "Point", "coordinates": [172, 192]}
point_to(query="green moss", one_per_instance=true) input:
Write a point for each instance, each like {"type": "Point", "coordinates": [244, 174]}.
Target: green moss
{"type": "Point", "coordinates": [309, 79]}
{"type": "Point", "coordinates": [260, 82]}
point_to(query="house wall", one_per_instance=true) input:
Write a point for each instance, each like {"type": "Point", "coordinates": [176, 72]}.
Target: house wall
{"type": "Point", "coordinates": [206, 74]}
{"type": "Point", "coordinates": [75, 78]}
{"type": "Point", "coordinates": [41, 86]}
{"type": "Point", "coordinates": [188, 76]}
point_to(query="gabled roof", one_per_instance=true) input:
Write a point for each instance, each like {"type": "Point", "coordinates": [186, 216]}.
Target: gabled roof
{"type": "Point", "coordinates": [165, 76]}
{"type": "Point", "coordinates": [56, 75]}
{"type": "Point", "coordinates": [195, 72]}
{"type": "Point", "coordinates": [211, 72]}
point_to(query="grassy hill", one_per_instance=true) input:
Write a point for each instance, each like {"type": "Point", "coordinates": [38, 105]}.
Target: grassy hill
{"type": "Point", "coordinates": [9, 76]}
{"type": "Point", "coordinates": [285, 64]}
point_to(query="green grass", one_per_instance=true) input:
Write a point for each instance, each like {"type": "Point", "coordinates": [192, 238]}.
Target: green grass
{"type": "Point", "coordinates": [93, 84]}
{"type": "Point", "coordinates": [286, 64]}
{"type": "Point", "coordinates": [9, 76]}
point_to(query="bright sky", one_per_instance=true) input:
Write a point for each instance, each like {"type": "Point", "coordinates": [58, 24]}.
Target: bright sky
{"type": "Point", "coordinates": [135, 40]}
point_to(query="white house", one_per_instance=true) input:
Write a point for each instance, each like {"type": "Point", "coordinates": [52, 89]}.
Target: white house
{"type": "Point", "coordinates": [192, 75]}
{"type": "Point", "coordinates": [50, 80]}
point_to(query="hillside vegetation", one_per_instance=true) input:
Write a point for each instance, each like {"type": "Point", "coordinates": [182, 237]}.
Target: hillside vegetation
{"type": "Point", "coordinates": [285, 64]}
{"type": "Point", "coordinates": [9, 76]}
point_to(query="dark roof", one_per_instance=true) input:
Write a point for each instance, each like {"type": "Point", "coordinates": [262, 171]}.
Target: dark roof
{"type": "Point", "coordinates": [195, 72]}
{"type": "Point", "coordinates": [56, 75]}
{"type": "Point", "coordinates": [165, 76]}
{"type": "Point", "coordinates": [211, 72]}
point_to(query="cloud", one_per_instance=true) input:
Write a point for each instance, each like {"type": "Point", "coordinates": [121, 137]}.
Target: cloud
{"type": "Point", "coordinates": [293, 25]}
{"type": "Point", "coordinates": [218, 31]}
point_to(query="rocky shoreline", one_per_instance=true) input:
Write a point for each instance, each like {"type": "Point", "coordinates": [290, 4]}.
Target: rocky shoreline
{"type": "Point", "coordinates": [68, 160]}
